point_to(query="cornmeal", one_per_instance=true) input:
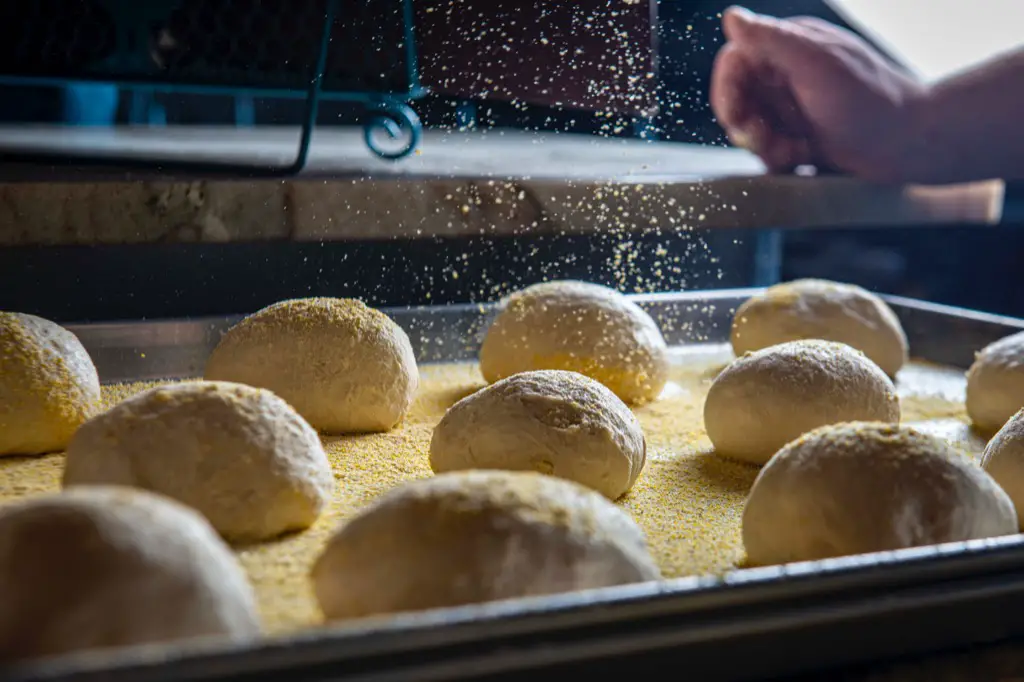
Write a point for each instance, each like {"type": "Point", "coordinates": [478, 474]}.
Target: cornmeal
{"type": "Point", "coordinates": [687, 500]}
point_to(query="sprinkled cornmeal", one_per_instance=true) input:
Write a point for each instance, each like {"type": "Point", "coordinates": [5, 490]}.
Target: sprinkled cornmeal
{"type": "Point", "coordinates": [687, 500]}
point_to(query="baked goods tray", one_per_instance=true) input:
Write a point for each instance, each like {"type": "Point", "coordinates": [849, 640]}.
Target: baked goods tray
{"type": "Point", "coordinates": [748, 624]}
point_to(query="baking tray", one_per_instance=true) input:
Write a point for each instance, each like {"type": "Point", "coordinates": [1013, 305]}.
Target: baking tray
{"type": "Point", "coordinates": [750, 624]}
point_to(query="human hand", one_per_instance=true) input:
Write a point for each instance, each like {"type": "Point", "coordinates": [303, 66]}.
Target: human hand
{"type": "Point", "coordinates": [802, 91]}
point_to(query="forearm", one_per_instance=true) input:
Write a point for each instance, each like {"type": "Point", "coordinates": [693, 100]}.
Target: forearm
{"type": "Point", "coordinates": [970, 126]}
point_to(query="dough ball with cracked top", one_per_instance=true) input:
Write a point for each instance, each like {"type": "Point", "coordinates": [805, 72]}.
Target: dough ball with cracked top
{"type": "Point", "coordinates": [767, 398]}
{"type": "Point", "coordinates": [477, 536]}
{"type": "Point", "coordinates": [1004, 459]}
{"type": "Point", "coordinates": [550, 421]}
{"type": "Point", "coordinates": [995, 383]}
{"type": "Point", "coordinates": [240, 455]}
{"type": "Point", "coordinates": [48, 385]}
{"type": "Point", "coordinates": [819, 309]}
{"type": "Point", "coordinates": [863, 487]}
{"type": "Point", "coordinates": [346, 367]}
{"type": "Point", "coordinates": [100, 567]}
{"type": "Point", "coordinates": [579, 327]}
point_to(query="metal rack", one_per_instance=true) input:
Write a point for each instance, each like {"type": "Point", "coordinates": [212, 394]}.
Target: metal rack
{"type": "Point", "coordinates": [360, 51]}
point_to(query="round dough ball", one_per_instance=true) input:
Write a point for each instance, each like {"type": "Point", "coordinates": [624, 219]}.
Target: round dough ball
{"type": "Point", "coordinates": [100, 567]}
{"type": "Point", "coordinates": [869, 487]}
{"type": "Point", "coordinates": [818, 309]}
{"type": "Point", "coordinates": [48, 385]}
{"type": "Point", "coordinates": [1004, 459]}
{"type": "Point", "coordinates": [240, 455]}
{"type": "Point", "coordinates": [345, 367]}
{"type": "Point", "coordinates": [767, 398]}
{"type": "Point", "coordinates": [579, 327]}
{"type": "Point", "coordinates": [550, 421]}
{"type": "Point", "coordinates": [477, 536]}
{"type": "Point", "coordinates": [995, 383]}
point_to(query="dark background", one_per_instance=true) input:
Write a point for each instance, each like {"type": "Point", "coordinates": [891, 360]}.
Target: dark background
{"type": "Point", "coordinates": [974, 267]}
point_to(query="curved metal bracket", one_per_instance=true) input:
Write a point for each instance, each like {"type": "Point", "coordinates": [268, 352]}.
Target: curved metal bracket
{"type": "Point", "coordinates": [399, 123]}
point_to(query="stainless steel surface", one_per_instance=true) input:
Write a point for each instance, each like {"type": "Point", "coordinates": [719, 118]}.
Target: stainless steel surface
{"type": "Point", "coordinates": [444, 154]}
{"type": "Point", "coordinates": [746, 625]}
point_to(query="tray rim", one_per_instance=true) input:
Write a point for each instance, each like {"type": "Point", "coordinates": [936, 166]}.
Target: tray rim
{"type": "Point", "coordinates": [951, 571]}
{"type": "Point", "coordinates": [177, 348]}
{"type": "Point", "coordinates": [647, 298]}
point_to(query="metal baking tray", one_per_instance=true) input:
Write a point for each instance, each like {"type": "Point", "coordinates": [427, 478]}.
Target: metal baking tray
{"type": "Point", "coordinates": [750, 624]}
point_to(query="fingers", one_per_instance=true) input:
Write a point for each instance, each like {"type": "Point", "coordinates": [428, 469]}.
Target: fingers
{"type": "Point", "coordinates": [735, 20]}
{"type": "Point", "coordinates": [783, 43]}
{"type": "Point", "coordinates": [755, 107]}
{"type": "Point", "coordinates": [735, 98]}
{"type": "Point", "coordinates": [818, 26]}
{"type": "Point", "coordinates": [742, 87]}
{"type": "Point", "coordinates": [831, 36]}
{"type": "Point", "coordinates": [731, 79]}
{"type": "Point", "coordinates": [827, 32]}
{"type": "Point", "coordinates": [751, 86]}
{"type": "Point", "coordinates": [781, 152]}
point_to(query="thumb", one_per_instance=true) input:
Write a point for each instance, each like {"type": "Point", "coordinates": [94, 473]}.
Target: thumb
{"type": "Point", "coordinates": [782, 43]}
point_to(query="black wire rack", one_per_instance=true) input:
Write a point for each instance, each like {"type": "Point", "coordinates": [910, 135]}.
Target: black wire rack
{"type": "Point", "coordinates": [360, 51]}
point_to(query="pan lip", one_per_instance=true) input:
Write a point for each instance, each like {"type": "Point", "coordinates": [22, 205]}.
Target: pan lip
{"type": "Point", "coordinates": [526, 633]}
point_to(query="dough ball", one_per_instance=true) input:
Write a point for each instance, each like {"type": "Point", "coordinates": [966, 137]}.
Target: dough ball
{"type": "Point", "coordinates": [477, 536]}
{"type": "Point", "coordinates": [579, 327]}
{"type": "Point", "coordinates": [767, 398]}
{"type": "Point", "coordinates": [995, 383]}
{"type": "Point", "coordinates": [1004, 459]}
{"type": "Point", "coordinates": [869, 487]}
{"type": "Point", "coordinates": [100, 567]}
{"type": "Point", "coordinates": [554, 422]}
{"type": "Point", "coordinates": [48, 385]}
{"type": "Point", "coordinates": [240, 455]}
{"type": "Point", "coordinates": [345, 367]}
{"type": "Point", "coordinates": [818, 309]}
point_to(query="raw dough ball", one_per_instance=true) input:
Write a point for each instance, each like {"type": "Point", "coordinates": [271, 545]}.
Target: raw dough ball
{"type": "Point", "coordinates": [477, 536]}
{"type": "Point", "coordinates": [240, 455]}
{"type": "Point", "coordinates": [108, 567]}
{"type": "Point", "coordinates": [1004, 459]}
{"type": "Point", "coordinates": [345, 367]}
{"type": "Point", "coordinates": [48, 385]}
{"type": "Point", "coordinates": [995, 383]}
{"type": "Point", "coordinates": [550, 421]}
{"type": "Point", "coordinates": [818, 309]}
{"type": "Point", "coordinates": [579, 327]}
{"type": "Point", "coordinates": [868, 487]}
{"type": "Point", "coordinates": [767, 398]}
